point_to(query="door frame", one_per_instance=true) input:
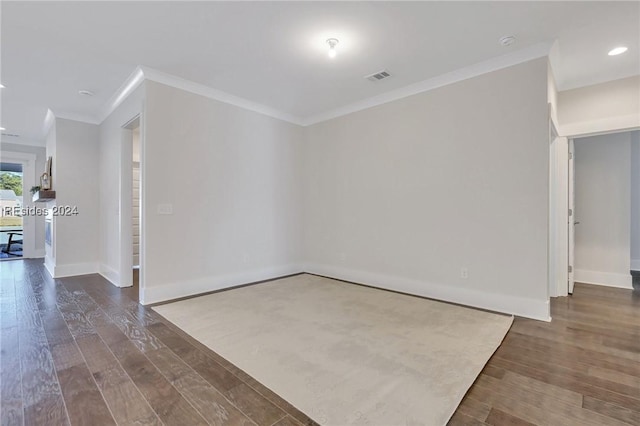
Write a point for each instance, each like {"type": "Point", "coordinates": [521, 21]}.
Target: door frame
{"type": "Point", "coordinates": [126, 203]}
{"type": "Point", "coordinates": [28, 162]}
{"type": "Point", "coordinates": [562, 215]}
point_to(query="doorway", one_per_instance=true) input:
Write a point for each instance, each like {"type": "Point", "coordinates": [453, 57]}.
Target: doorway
{"type": "Point", "coordinates": [135, 202]}
{"type": "Point", "coordinates": [12, 204]}
{"type": "Point", "coordinates": [601, 222]}
{"type": "Point", "coordinates": [131, 193]}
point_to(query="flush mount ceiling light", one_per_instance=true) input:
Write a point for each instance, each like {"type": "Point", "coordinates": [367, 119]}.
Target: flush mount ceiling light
{"type": "Point", "coordinates": [85, 92]}
{"type": "Point", "coordinates": [2, 128]}
{"type": "Point", "coordinates": [618, 50]}
{"type": "Point", "coordinates": [332, 42]}
{"type": "Point", "coordinates": [1, 86]}
{"type": "Point", "coordinates": [507, 40]}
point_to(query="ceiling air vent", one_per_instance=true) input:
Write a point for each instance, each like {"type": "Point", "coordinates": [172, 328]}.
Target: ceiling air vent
{"type": "Point", "coordinates": [13, 135]}
{"type": "Point", "coordinates": [380, 75]}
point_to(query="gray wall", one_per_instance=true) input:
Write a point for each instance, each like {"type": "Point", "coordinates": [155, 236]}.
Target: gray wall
{"type": "Point", "coordinates": [407, 194]}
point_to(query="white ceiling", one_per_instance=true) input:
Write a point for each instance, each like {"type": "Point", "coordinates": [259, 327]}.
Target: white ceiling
{"type": "Point", "coordinates": [275, 53]}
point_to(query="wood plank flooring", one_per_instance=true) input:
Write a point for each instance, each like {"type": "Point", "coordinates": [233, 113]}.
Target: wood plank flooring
{"type": "Point", "coordinates": [80, 351]}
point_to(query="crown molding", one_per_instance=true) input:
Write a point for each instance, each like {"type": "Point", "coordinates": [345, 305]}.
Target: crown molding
{"type": "Point", "coordinates": [218, 95]}
{"type": "Point", "coordinates": [90, 119]}
{"type": "Point", "coordinates": [132, 82]}
{"type": "Point", "coordinates": [533, 52]}
{"type": "Point", "coordinates": [23, 142]}
{"type": "Point", "coordinates": [142, 73]}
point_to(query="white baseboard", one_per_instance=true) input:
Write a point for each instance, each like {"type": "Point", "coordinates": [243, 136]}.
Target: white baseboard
{"type": "Point", "coordinates": [49, 266]}
{"type": "Point", "coordinates": [162, 293]}
{"type": "Point", "coordinates": [74, 269]}
{"type": "Point", "coordinates": [109, 274]}
{"type": "Point", "coordinates": [37, 254]}
{"type": "Point", "coordinates": [524, 307]}
{"type": "Point", "coordinates": [635, 264]}
{"type": "Point", "coordinates": [608, 279]}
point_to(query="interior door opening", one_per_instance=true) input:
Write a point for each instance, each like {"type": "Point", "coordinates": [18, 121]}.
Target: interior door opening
{"type": "Point", "coordinates": [135, 202]}
{"type": "Point", "coordinates": [11, 204]}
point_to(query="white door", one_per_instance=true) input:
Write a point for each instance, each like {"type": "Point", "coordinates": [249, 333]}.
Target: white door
{"type": "Point", "coordinates": [572, 222]}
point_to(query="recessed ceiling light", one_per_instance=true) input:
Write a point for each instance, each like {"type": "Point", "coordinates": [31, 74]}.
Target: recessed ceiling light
{"type": "Point", "coordinates": [1, 86]}
{"type": "Point", "coordinates": [85, 92]}
{"type": "Point", "coordinates": [618, 50]}
{"type": "Point", "coordinates": [332, 42]}
{"type": "Point", "coordinates": [507, 40]}
{"type": "Point", "coordinates": [2, 128]}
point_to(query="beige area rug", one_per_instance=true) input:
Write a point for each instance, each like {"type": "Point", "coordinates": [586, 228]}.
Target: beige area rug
{"type": "Point", "coordinates": [346, 354]}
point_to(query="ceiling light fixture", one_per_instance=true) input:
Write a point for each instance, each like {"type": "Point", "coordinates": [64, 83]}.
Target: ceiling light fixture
{"type": "Point", "coordinates": [507, 40]}
{"type": "Point", "coordinates": [1, 86]}
{"type": "Point", "coordinates": [332, 42]}
{"type": "Point", "coordinates": [2, 128]}
{"type": "Point", "coordinates": [85, 92]}
{"type": "Point", "coordinates": [618, 50]}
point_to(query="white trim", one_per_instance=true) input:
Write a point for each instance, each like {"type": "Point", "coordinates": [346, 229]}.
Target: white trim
{"type": "Point", "coordinates": [83, 118]}
{"type": "Point", "coordinates": [19, 141]}
{"type": "Point", "coordinates": [49, 120]}
{"type": "Point", "coordinates": [218, 95]}
{"type": "Point", "coordinates": [49, 266]}
{"type": "Point", "coordinates": [480, 68]}
{"type": "Point", "coordinates": [524, 307]}
{"type": "Point", "coordinates": [635, 264]}
{"type": "Point", "coordinates": [155, 294]}
{"type": "Point", "coordinates": [607, 279]}
{"type": "Point", "coordinates": [74, 269]}
{"type": "Point", "coordinates": [129, 86]}
{"type": "Point", "coordinates": [109, 274]}
{"type": "Point", "coordinates": [601, 126]}
{"type": "Point", "coordinates": [29, 179]}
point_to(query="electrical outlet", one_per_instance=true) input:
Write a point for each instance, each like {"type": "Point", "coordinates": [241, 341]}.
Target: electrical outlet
{"type": "Point", "coordinates": [464, 273]}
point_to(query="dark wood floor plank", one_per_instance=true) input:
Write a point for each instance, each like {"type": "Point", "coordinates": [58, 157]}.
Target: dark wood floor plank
{"type": "Point", "coordinates": [562, 368]}
{"type": "Point", "coordinates": [83, 400]}
{"type": "Point", "coordinates": [207, 367]}
{"type": "Point", "coordinates": [49, 410]}
{"type": "Point", "coordinates": [461, 419]}
{"type": "Point", "coordinates": [254, 405]}
{"type": "Point", "coordinates": [570, 383]}
{"type": "Point", "coordinates": [474, 408]}
{"type": "Point", "coordinates": [580, 355]}
{"type": "Point", "coordinates": [533, 407]}
{"type": "Point", "coordinates": [611, 410]}
{"type": "Point", "coordinates": [500, 418]}
{"type": "Point", "coordinates": [11, 411]}
{"type": "Point", "coordinates": [165, 400]}
{"type": "Point", "coordinates": [209, 402]}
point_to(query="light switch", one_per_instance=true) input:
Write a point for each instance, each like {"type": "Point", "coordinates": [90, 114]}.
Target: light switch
{"type": "Point", "coordinates": [165, 208]}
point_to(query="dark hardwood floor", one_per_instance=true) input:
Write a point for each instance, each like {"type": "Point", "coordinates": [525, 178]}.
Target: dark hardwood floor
{"type": "Point", "coordinates": [81, 351]}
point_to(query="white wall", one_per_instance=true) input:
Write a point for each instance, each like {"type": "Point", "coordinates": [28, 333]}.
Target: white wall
{"type": "Point", "coordinates": [115, 170]}
{"type": "Point", "coordinates": [38, 221]}
{"type": "Point", "coordinates": [406, 194]}
{"type": "Point", "coordinates": [611, 106]}
{"type": "Point", "coordinates": [232, 178]}
{"type": "Point", "coordinates": [635, 201]}
{"type": "Point", "coordinates": [75, 180]}
{"type": "Point", "coordinates": [50, 250]}
{"type": "Point", "coordinates": [602, 197]}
